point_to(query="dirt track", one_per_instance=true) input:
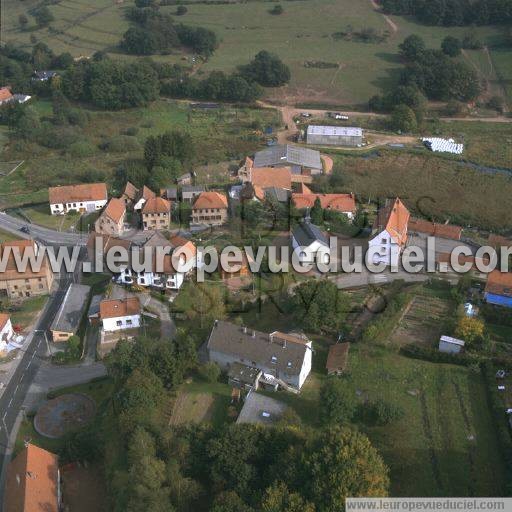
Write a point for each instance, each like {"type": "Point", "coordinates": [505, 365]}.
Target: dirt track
{"type": "Point", "coordinates": [288, 114]}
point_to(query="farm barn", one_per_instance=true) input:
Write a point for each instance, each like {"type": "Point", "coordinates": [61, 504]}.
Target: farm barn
{"type": "Point", "coordinates": [334, 135]}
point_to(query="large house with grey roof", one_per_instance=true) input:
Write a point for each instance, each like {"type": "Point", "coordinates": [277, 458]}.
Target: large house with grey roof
{"type": "Point", "coordinates": [281, 357]}
{"type": "Point", "coordinates": [300, 160]}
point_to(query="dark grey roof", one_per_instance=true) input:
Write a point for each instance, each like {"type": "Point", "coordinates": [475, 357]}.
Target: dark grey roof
{"type": "Point", "coordinates": [256, 404]}
{"type": "Point", "coordinates": [243, 373]}
{"type": "Point", "coordinates": [171, 193]}
{"type": "Point", "coordinates": [94, 308]}
{"type": "Point", "coordinates": [192, 188]}
{"type": "Point", "coordinates": [281, 195]}
{"type": "Point", "coordinates": [288, 155]}
{"type": "Point", "coordinates": [257, 348]}
{"type": "Point", "coordinates": [72, 309]}
{"type": "Point", "coordinates": [45, 75]}
{"type": "Point", "coordinates": [307, 233]}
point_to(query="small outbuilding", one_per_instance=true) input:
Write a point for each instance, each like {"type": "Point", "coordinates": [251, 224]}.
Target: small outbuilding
{"type": "Point", "coordinates": [337, 358]}
{"type": "Point", "coordinates": [67, 320]}
{"type": "Point", "coordinates": [450, 345]}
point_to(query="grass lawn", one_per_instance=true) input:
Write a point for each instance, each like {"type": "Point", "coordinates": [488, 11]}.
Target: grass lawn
{"type": "Point", "coordinates": [304, 32]}
{"type": "Point", "coordinates": [29, 309]}
{"type": "Point", "coordinates": [445, 443]}
{"type": "Point", "coordinates": [431, 186]}
{"type": "Point", "coordinates": [40, 214]}
{"type": "Point", "coordinates": [200, 401]}
{"type": "Point", "coordinates": [6, 236]}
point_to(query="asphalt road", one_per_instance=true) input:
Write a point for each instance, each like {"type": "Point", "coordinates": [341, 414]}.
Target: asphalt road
{"type": "Point", "coordinates": [41, 234]}
{"type": "Point", "coordinates": [32, 358]}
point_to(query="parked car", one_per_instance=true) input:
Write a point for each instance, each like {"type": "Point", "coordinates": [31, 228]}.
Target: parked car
{"type": "Point", "coordinates": [24, 229]}
{"type": "Point", "coordinates": [305, 114]}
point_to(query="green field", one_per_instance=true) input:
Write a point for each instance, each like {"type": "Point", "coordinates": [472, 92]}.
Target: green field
{"type": "Point", "coordinates": [222, 135]}
{"type": "Point", "coordinates": [304, 32]}
{"type": "Point", "coordinates": [431, 186]}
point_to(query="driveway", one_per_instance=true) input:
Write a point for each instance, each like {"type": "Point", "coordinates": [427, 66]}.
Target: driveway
{"type": "Point", "coordinates": [159, 308]}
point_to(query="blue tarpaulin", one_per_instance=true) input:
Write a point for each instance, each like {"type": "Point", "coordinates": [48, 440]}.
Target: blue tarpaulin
{"type": "Point", "coordinates": [498, 300]}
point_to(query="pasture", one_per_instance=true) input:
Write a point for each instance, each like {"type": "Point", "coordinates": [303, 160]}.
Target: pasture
{"type": "Point", "coordinates": [306, 32]}
{"type": "Point", "coordinates": [431, 186]}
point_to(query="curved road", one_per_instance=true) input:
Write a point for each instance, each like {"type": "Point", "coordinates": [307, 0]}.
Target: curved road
{"type": "Point", "coordinates": [44, 235]}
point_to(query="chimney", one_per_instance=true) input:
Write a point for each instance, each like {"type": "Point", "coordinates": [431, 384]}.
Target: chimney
{"type": "Point", "coordinates": [254, 334]}
{"type": "Point", "coordinates": [245, 330]}
{"type": "Point", "coordinates": [271, 338]}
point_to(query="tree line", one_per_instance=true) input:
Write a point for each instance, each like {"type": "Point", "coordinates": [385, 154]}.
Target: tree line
{"type": "Point", "coordinates": [155, 32]}
{"type": "Point", "coordinates": [453, 12]}
{"type": "Point", "coordinates": [429, 74]}
{"type": "Point", "coordinates": [226, 468]}
{"type": "Point", "coordinates": [244, 85]}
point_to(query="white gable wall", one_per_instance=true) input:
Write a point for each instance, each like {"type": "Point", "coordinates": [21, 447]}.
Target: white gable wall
{"type": "Point", "coordinates": [385, 249]}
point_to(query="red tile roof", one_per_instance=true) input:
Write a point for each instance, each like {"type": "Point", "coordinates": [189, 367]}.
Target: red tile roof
{"type": "Point", "coordinates": [499, 283]}
{"type": "Point", "coordinates": [394, 218]}
{"type": "Point", "coordinates": [32, 482]}
{"type": "Point", "coordinates": [115, 209]}
{"type": "Point", "coordinates": [264, 177]}
{"type": "Point", "coordinates": [499, 241]}
{"type": "Point", "coordinates": [156, 205]}
{"type": "Point", "coordinates": [214, 200]}
{"type": "Point", "coordinates": [4, 318]}
{"type": "Point", "coordinates": [147, 193]}
{"type": "Point", "coordinates": [78, 193]}
{"type": "Point", "coordinates": [339, 202]}
{"type": "Point", "coordinates": [28, 248]}
{"type": "Point", "coordinates": [434, 229]}
{"type": "Point", "coordinates": [302, 188]}
{"type": "Point", "coordinates": [113, 308]}
{"type": "Point", "coordinates": [5, 94]}
{"type": "Point", "coordinates": [130, 191]}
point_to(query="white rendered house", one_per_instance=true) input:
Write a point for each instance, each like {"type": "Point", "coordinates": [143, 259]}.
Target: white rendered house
{"type": "Point", "coordinates": [120, 314]}
{"type": "Point", "coordinates": [389, 234]}
{"type": "Point", "coordinates": [84, 198]}
{"type": "Point", "coordinates": [309, 244]}
{"type": "Point", "coordinates": [6, 331]}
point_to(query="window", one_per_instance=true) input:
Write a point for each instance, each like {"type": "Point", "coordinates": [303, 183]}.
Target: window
{"type": "Point", "coordinates": [383, 241]}
{"type": "Point", "coordinates": [119, 323]}
{"type": "Point", "coordinates": [274, 359]}
{"type": "Point", "coordinates": [41, 286]}
{"type": "Point", "coordinates": [289, 365]}
{"type": "Point", "coordinates": [129, 321]}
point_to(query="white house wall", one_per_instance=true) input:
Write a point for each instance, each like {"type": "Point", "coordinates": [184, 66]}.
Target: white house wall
{"type": "Point", "coordinates": [121, 322]}
{"type": "Point", "coordinates": [87, 206]}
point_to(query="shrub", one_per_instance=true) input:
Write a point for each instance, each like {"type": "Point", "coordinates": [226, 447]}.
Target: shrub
{"type": "Point", "coordinates": [496, 103]}
{"type": "Point", "coordinates": [382, 413]}
{"type": "Point", "coordinates": [121, 144]}
{"type": "Point", "coordinates": [181, 10]}
{"type": "Point", "coordinates": [451, 46]}
{"type": "Point", "coordinates": [81, 149]}
{"type": "Point", "coordinates": [404, 119]}
{"type": "Point", "coordinates": [131, 131]}
{"type": "Point", "coordinates": [277, 9]}
{"type": "Point", "coordinates": [210, 372]}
